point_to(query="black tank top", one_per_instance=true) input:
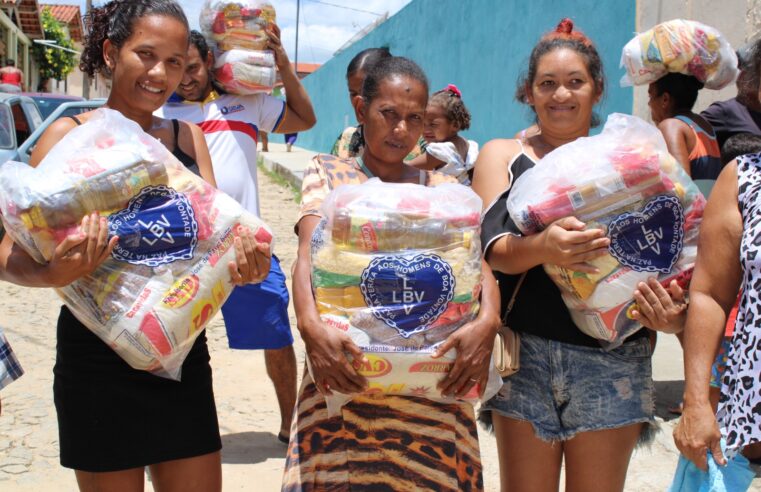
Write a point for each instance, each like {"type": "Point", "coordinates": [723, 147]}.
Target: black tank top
{"type": "Point", "coordinates": [539, 309]}
{"type": "Point", "coordinates": [181, 156]}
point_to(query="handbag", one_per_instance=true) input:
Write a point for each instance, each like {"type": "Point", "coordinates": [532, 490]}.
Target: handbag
{"type": "Point", "coordinates": [507, 343]}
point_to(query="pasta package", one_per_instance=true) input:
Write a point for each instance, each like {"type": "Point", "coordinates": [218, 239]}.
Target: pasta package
{"type": "Point", "coordinates": [680, 46]}
{"type": "Point", "coordinates": [624, 182]}
{"type": "Point", "coordinates": [238, 31]}
{"type": "Point", "coordinates": [398, 268]}
{"type": "Point", "coordinates": [168, 274]}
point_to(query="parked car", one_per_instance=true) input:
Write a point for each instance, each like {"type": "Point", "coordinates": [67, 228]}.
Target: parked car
{"type": "Point", "coordinates": [47, 102]}
{"type": "Point", "coordinates": [19, 118]}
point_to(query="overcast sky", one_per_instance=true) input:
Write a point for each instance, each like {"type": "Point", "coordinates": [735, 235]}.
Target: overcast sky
{"type": "Point", "coordinates": [323, 27]}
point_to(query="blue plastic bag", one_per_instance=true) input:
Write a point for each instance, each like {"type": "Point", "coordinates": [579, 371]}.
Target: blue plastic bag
{"type": "Point", "coordinates": [736, 476]}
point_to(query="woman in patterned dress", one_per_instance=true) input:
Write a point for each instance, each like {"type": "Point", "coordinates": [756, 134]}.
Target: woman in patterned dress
{"type": "Point", "coordinates": [382, 443]}
{"type": "Point", "coordinates": [728, 260]}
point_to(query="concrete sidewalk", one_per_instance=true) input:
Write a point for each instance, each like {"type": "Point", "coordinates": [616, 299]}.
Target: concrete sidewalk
{"type": "Point", "coordinates": [289, 165]}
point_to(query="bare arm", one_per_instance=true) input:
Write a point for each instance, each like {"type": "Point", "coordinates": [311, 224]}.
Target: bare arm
{"type": "Point", "coordinates": [326, 346]}
{"type": "Point", "coordinates": [679, 140]}
{"type": "Point", "coordinates": [563, 243]}
{"type": "Point", "coordinates": [426, 162]}
{"type": "Point", "coordinates": [300, 115]}
{"type": "Point", "coordinates": [77, 255]}
{"type": "Point", "coordinates": [713, 291]}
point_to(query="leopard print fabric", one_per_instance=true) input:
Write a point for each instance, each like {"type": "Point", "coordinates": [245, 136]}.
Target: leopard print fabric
{"type": "Point", "coordinates": [383, 444]}
{"type": "Point", "coordinates": [739, 412]}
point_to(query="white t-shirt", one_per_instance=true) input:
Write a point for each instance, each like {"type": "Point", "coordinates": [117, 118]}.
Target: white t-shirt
{"type": "Point", "coordinates": [231, 126]}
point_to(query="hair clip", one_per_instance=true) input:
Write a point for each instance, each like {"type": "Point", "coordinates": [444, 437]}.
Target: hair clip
{"type": "Point", "coordinates": [454, 90]}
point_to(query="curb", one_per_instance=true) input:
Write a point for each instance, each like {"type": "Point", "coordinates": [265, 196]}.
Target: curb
{"type": "Point", "coordinates": [292, 177]}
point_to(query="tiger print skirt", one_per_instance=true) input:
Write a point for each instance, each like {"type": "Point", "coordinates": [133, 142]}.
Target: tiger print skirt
{"type": "Point", "coordinates": [382, 444]}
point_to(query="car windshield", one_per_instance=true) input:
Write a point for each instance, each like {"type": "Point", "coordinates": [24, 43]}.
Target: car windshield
{"type": "Point", "coordinates": [48, 104]}
{"type": "Point", "coordinates": [6, 127]}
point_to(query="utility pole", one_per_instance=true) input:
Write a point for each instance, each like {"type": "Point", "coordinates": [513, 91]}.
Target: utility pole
{"type": "Point", "coordinates": [85, 77]}
{"type": "Point", "coordinates": [296, 58]}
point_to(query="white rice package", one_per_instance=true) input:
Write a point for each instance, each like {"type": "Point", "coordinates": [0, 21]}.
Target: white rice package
{"type": "Point", "coordinates": [168, 274]}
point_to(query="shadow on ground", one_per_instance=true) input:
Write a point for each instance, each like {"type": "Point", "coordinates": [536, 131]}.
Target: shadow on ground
{"type": "Point", "coordinates": [668, 394]}
{"type": "Point", "coordinates": [246, 448]}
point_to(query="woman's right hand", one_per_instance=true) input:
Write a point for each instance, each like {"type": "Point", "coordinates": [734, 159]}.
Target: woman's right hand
{"type": "Point", "coordinates": [81, 252]}
{"type": "Point", "coordinates": [326, 348]}
{"type": "Point", "coordinates": [568, 245]}
{"type": "Point", "coordinates": [698, 432]}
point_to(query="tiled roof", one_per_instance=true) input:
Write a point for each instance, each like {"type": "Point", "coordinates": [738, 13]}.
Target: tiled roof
{"type": "Point", "coordinates": [69, 15]}
{"type": "Point", "coordinates": [28, 16]}
{"type": "Point", "coordinates": [307, 67]}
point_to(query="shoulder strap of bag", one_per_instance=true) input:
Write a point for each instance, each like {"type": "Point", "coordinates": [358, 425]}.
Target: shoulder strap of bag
{"type": "Point", "coordinates": [512, 298]}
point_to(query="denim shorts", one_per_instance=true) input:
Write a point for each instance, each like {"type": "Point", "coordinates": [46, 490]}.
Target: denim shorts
{"type": "Point", "coordinates": [563, 389]}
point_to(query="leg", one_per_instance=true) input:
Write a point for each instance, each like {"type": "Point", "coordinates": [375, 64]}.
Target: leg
{"type": "Point", "coordinates": [281, 368]}
{"type": "Point", "coordinates": [265, 141]}
{"type": "Point", "coordinates": [598, 460]}
{"type": "Point", "coordinates": [525, 461]}
{"type": "Point", "coordinates": [197, 474]}
{"type": "Point", "coordinates": [132, 480]}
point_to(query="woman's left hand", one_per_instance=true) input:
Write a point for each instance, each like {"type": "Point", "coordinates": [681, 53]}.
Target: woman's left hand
{"type": "Point", "coordinates": [252, 259]}
{"type": "Point", "coordinates": [660, 309]}
{"type": "Point", "coordinates": [276, 45]}
{"type": "Point", "coordinates": [474, 343]}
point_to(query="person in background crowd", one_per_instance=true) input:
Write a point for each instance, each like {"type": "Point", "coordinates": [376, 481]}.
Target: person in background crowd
{"type": "Point", "coordinates": [689, 137]}
{"type": "Point", "coordinates": [382, 442]}
{"type": "Point", "coordinates": [741, 114]}
{"type": "Point", "coordinates": [740, 144]}
{"type": "Point", "coordinates": [256, 316]}
{"type": "Point", "coordinates": [565, 404]}
{"type": "Point", "coordinates": [11, 78]}
{"type": "Point", "coordinates": [727, 263]}
{"type": "Point", "coordinates": [445, 150]}
{"type": "Point", "coordinates": [114, 420]}
{"type": "Point", "coordinates": [10, 369]}
{"type": "Point", "coordinates": [351, 141]}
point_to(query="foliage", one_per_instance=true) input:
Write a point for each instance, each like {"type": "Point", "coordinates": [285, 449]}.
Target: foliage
{"type": "Point", "coordinates": [54, 63]}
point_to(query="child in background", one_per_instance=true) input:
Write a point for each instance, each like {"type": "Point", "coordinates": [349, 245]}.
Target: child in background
{"type": "Point", "coordinates": [445, 150]}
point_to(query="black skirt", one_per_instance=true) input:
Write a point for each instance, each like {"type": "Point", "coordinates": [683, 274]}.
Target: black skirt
{"type": "Point", "coordinates": [112, 417]}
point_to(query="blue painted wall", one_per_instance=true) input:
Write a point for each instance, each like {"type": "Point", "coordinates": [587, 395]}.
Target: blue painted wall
{"type": "Point", "coordinates": [481, 46]}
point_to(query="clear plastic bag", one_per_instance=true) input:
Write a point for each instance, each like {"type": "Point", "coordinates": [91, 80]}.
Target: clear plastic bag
{"type": "Point", "coordinates": [398, 268]}
{"type": "Point", "coordinates": [237, 25]}
{"type": "Point", "coordinates": [625, 182]}
{"type": "Point", "coordinates": [679, 46]}
{"type": "Point", "coordinates": [244, 72]}
{"type": "Point", "coordinates": [237, 29]}
{"type": "Point", "coordinates": [168, 275]}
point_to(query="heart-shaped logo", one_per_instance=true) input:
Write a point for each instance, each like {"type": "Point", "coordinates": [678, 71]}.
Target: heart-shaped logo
{"type": "Point", "coordinates": [157, 227]}
{"type": "Point", "coordinates": [650, 240]}
{"type": "Point", "coordinates": [408, 293]}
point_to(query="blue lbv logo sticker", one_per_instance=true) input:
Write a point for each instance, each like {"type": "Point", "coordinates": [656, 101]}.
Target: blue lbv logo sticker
{"type": "Point", "coordinates": [157, 227]}
{"type": "Point", "coordinates": [408, 294]}
{"type": "Point", "coordinates": [650, 240]}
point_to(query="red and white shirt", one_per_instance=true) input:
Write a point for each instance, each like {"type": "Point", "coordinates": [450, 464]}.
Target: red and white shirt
{"type": "Point", "coordinates": [231, 125]}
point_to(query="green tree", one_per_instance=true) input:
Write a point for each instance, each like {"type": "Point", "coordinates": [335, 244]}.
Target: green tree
{"type": "Point", "coordinates": [54, 63]}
